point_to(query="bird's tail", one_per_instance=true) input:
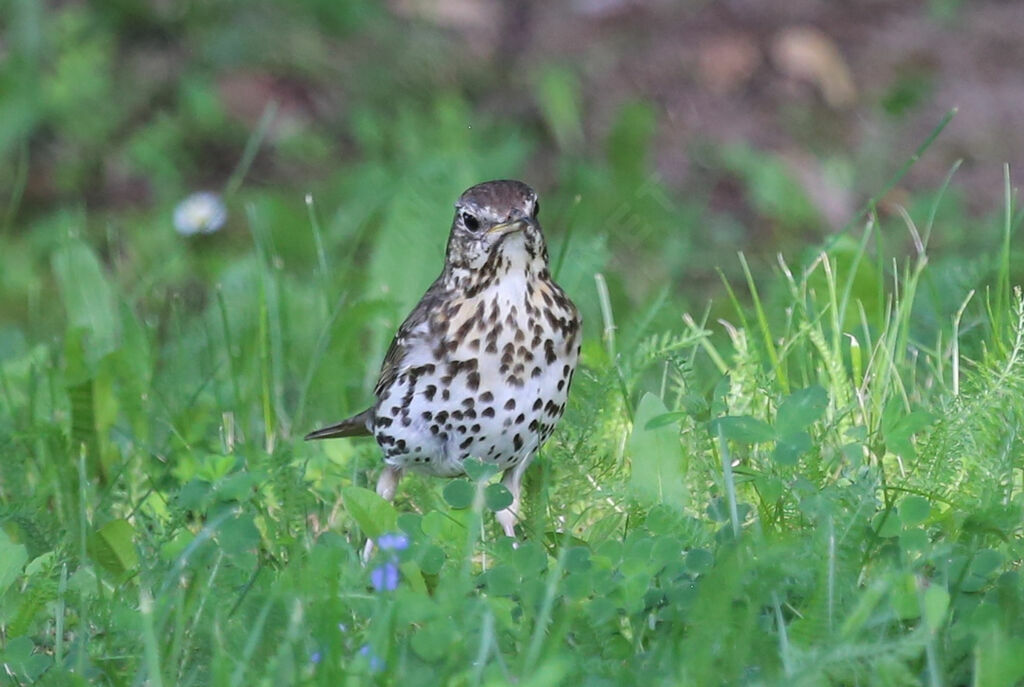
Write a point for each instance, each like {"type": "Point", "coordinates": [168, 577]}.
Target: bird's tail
{"type": "Point", "coordinates": [355, 426]}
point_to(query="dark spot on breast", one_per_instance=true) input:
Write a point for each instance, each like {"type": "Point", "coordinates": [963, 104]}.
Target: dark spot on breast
{"type": "Point", "coordinates": [533, 425]}
{"type": "Point", "coordinates": [538, 404]}
{"type": "Point", "coordinates": [475, 429]}
{"type": "Point", "coordinates": [465, 444]}
{"type": "Point", "coordinates": [555, 322]}
{"type": "Point", "coordinates": [426, 415]}
{"type": "Point", "coordinates": [536, 372]}
{"type": "Point", "coordinates": [445, 394]}
{"type": "Point", "coordinates": [468, 402]}
{"type": "Point", "coordinates": [456, 414]}
{"type": "Point", "coordinates": [486, 397]}
{"type": "Point", "coordinates": [383, 421]}
{"type": "Point", "coordinates": [517, 442]}
{"type": "Point", "coordinates": [510, 404]}
{"type": "Point", "coordinates": [475, 344]}
{"type": "Point", "coordinates": [463, 331]}
{"type": "Point", "coordinates": [520, 419]}
{"type": "Point", "coordinates": [487, 412]}
{"type": "Point", "coordinates": [473, 382]}
{"type": "Point", "coordinates": [561, 384]}
{"type": "Point", "coordinates": [429, 392]}
{"type": "Point", "coordinates": [549, 352]}
{"type": "Point", "coordinates": [407, 399]}
{"type": "Point", "coordinates": [517, 382]}
{"type": "Point", "coordinates": [406, 421]}
{"type": "Point", "coordinates": [442, 416]}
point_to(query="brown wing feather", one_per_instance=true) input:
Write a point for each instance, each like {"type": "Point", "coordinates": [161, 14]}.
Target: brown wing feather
{"type": "Point", "coordinates": [392, 365]}
{"type": "Point", "coordinates": [361, 424]}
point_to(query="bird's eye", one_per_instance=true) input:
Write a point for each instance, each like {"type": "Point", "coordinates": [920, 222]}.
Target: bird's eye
{"type": "Point", "coordinates": [470, 222]}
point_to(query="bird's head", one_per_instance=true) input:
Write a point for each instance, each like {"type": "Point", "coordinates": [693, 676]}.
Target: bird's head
{"type": "Point", "coordinates": [496, 229]}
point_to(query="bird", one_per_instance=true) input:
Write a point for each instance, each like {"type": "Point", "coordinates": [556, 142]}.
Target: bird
{"type": "Point", "coordinates": [482, 366]}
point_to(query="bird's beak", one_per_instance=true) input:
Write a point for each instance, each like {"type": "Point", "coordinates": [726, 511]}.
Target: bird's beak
{"type": "Point", "coordinates": [508, 227]}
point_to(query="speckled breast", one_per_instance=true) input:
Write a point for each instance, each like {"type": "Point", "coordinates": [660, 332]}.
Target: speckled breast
{"type": "Point", "coordinates": [485, 376]}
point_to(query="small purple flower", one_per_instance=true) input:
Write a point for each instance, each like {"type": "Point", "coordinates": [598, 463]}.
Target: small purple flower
{"type": "Point", "coordinates": [376, 663]}
{"type": "Point", "coordinates": [393, 541]}
{"type": "Point", "coordinates": [384, 578]}
{"type": "Point", "coordinates": [315, 657]}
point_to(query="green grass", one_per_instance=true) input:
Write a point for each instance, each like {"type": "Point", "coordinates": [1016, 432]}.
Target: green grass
{"type": "Point", "coordinates": [830, 493]}
{"type": "Point", "coordinates": [809, 473]}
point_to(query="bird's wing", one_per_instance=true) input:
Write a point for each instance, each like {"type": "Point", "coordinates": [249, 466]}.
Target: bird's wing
{"type": "Point", "coordinates": [413, 327]}
{"type": "Point", "coordinates": [359, 425]}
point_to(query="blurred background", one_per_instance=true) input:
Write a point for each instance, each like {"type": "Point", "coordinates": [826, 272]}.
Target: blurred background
{"type": "Point", "coordinates": [663, 136]}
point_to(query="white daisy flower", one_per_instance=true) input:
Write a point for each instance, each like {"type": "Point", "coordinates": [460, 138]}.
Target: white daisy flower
{"type": "Point", "coordinates": [201, 213]}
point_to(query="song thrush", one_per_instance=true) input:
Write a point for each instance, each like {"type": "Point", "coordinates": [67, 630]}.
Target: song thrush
{"type": "Point", "coordinates": [482, 366]}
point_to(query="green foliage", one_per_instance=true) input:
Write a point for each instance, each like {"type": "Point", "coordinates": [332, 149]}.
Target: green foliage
{"type": "Point", "coordinates": [773, 192]}
{"type": "Point", "coordinates": [854, 525]}
{"type": "Point", "coordinates": [815, 481]}
{"type": "Point", "coordinates": [657, 462]}
{"type": "Point", "coordinates": [373, 514]}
